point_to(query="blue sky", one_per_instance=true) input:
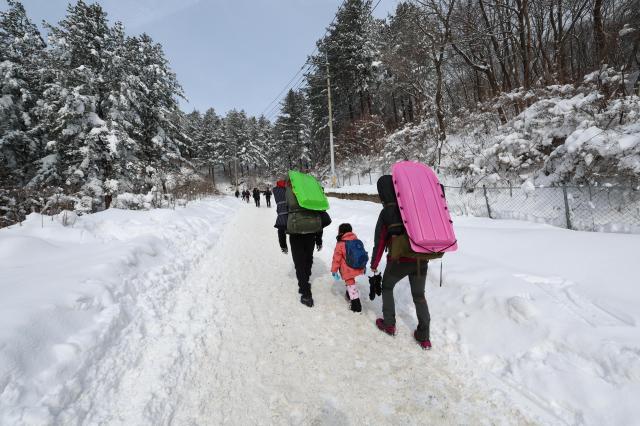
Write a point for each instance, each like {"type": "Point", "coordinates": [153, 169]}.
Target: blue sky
{"type": "Point", "coordinates": [227, 53]}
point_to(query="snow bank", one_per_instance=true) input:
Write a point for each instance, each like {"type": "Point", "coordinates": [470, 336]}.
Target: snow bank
{"type": "Point", "coordinates": [69, 294]}
{"type": "Point", "coordinates": [548, 315]}
{"type": "Point", "coordinates": [355, 189]}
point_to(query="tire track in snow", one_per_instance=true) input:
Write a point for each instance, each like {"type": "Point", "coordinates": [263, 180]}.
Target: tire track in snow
{"type": "Point", "coordinates": [270, 360]}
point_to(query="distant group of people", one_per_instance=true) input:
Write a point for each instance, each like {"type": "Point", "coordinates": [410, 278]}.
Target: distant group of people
{"type": "Point", "coordinates": [246, 195]}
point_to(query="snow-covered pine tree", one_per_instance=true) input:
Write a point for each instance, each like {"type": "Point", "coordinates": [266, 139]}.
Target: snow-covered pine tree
{"type": "Point", "coordinates": [196, 135]}
{"type": "Point", "coordinates": [155, 92]}
{"type": "Point", "coordinates": [212, 140]}
{"type": "Point", "coordinates": [21, 51]}
{"type": "Point", "coordinates": [352, 49]}
{"type": "Point", "coordinates": [256, 150]}
{"type": "Point", "coordinates": [76, 99]}
{"type": "Point", "coordinates": [267, 144]}
{"type": "Point", "coordinates": [292, 132]}
{"type": "Point", "coordinates": [235, 140]}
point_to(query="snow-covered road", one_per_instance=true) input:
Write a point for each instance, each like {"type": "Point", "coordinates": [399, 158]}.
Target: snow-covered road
{"type": "Point", "coordinates": [271, 360]}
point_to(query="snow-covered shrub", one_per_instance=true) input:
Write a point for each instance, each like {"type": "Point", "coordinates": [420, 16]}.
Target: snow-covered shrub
{"type": "Point", "coordinates": [129, 201]}
{"type": "Point", "coordinates": [583, 134]}
{"type": "Point", "coordinates": [66, 218]}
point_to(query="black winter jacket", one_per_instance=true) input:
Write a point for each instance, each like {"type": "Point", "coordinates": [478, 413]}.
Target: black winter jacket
{"type": "Point", "coordinates": [389, 221]}
{"type": "Point", "coordinates": [281, 207]}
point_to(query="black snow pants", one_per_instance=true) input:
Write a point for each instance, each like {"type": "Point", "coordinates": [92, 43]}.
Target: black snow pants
{"type": "Point", "coordinates": [393, 273]}
{"type": "Point", "coordinates": [282, 238]}
{"type": "Point", "coordinates": [302, 246]}
{"type": "Point", "coordinates": [257, 200]}
{"type": "Point", "coordinates": [268, 201]}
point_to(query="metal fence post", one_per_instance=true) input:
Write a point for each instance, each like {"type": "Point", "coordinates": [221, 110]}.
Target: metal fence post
{"type": "Point", "coordinates": [486, 199]}
{"type": "Point", "coordinates": [567, 213]}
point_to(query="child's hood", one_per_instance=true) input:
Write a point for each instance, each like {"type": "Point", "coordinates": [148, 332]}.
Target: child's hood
{"type": "Point", "coordinates": [348, 236]}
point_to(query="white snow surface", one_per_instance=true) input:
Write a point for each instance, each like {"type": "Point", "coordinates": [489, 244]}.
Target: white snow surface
{"type": "Point", "coordinates": [546, 315]}
{"type": "Point", "coordinates": [191, 316]}
{"type": "Point", "coordinates": [87, 312]}
{"type": "Point", "coordinates": [355, 189]}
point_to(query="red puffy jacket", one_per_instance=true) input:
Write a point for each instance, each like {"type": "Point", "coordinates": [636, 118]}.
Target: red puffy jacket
{"type": "Point", "coordinates": [339, 262]}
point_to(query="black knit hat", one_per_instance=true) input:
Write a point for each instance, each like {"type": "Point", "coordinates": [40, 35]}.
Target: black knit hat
{"type": "Point", "coordinates": [344, 228]}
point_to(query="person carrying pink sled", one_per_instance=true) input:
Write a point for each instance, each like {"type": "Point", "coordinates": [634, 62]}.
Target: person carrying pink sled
{"type": "Point", "coordinates": [414, 227]}
{"type": "Point", "coordinates": [349, 261]}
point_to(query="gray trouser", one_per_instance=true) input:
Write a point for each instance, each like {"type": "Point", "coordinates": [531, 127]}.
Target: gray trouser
{"type": "Point", "coordinates": [393, 273]}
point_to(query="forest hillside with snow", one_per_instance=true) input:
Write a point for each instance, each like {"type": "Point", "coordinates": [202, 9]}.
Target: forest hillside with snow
{"type": "Point", "coordinates": [487, 92]}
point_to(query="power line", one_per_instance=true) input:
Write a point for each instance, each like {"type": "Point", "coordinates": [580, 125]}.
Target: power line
{"type": "Point", "coordinates": [279, 96]}
{"type": "Point", "coordinates": [275, 106]}
{"type": "Point", "coordinates": [275, 109]}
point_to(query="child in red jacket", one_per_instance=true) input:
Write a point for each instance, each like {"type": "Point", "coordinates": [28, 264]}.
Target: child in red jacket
{"type": "Point", "coordinates": [340, 265]}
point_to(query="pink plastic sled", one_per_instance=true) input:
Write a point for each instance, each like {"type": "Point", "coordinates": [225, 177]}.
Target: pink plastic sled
{"type": "Point", "coordinates": [423, 208]}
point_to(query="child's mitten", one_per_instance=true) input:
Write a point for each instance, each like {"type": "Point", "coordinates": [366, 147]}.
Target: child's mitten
{"type": "Point", "coordinates": [336, 276]}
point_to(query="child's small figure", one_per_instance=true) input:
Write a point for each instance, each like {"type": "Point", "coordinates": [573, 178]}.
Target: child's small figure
{"type": "Point", "coordinates": [340, 267]}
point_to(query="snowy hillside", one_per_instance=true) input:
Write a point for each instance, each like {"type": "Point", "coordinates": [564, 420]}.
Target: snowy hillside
{"type": "Point", "coordinates": [91, 308]}
{"type": "Point", "coordinates": [192, 317]}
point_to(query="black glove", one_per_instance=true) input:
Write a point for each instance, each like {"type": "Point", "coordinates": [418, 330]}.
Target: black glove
{"type": "Point", "coordinates": [285, 250]}
{"type": "Point", "coordinates": [375, 286]}
{"type": "Point", "coordinates": [319, 247]}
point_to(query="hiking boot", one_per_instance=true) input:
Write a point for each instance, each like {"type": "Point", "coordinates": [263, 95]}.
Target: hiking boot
{"type": "Point", "coordinates": [307, 300]}
{"type": "Point", "coordinates": [424, 344]}
{"type": "Point", "coordinates": [356, 306]}
{"type": "Point", "coordinates": [389, 329]}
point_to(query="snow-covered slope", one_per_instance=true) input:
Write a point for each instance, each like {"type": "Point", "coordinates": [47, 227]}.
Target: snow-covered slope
{"type": "Point", "coordinates": [549, 316]}
{"type": "Point", "coordinates": [82, 305]}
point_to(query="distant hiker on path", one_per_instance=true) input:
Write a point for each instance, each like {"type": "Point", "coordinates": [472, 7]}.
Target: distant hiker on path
{"type": "Point", "coordinates": [349, 261]}
{"type": "Point", "coordinates": [238, 193]}
{"type": "Point", "coordinates": [256, 196]}
{"type": "Point", "coordinates": [267, 196]}
{"type": "Point", "coordinates": [388, 234]}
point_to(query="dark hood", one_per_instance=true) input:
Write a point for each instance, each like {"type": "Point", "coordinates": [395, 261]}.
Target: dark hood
{"type": "Point", "coordinates": [386, 192]}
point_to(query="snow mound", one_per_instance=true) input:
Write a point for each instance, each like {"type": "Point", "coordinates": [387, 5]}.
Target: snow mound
{"type": "Point", "coordinates": [72, 294]}
{"type": "Point", "coordinates": [544, 314]}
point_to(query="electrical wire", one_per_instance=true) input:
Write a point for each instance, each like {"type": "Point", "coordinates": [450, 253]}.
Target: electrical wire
{"type": "Point", "coordinates": [298, 80]}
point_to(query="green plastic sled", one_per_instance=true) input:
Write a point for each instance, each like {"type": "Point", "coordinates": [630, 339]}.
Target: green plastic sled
{"type": "Point", "coordinates": [308, 191]}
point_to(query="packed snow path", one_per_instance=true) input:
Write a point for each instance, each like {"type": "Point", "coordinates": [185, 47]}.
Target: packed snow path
{"type": "Point", "coordinates": [270, 360]}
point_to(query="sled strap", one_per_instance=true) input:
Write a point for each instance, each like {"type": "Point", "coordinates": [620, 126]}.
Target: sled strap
{"type": "Point", "coordinates": [440, 272]}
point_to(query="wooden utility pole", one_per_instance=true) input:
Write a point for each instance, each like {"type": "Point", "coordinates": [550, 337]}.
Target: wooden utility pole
{"type": "Point", "coordinates": [333, 162]}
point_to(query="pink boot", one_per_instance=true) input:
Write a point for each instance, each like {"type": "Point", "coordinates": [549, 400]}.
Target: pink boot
{"type": "Point", "coordinates": [389, 329]}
